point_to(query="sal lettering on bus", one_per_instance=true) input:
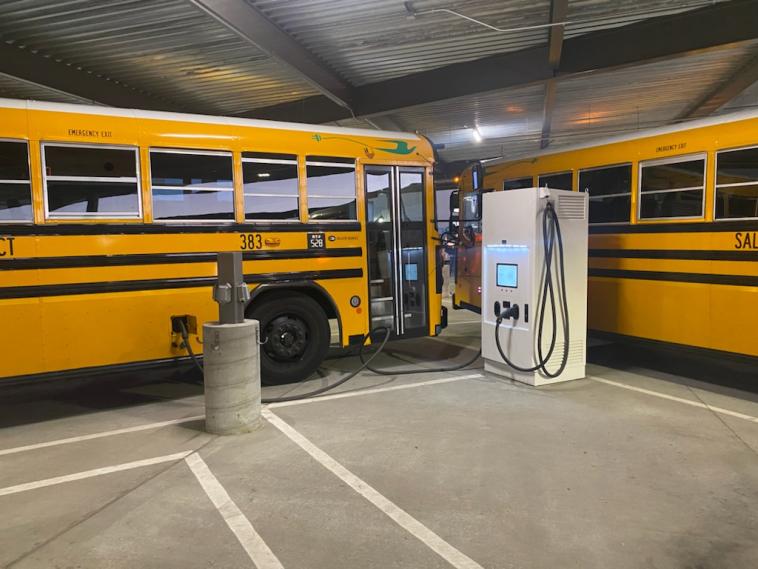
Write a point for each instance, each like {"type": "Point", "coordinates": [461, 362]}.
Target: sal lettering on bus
{"type": "Point", "coordinates": [746, 240]}
{"type": "Point", "coordinates": [6, 246]}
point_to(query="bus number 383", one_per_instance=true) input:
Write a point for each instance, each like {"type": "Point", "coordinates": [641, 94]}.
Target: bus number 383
{"type": "Point", "coordinates": [250, 241]}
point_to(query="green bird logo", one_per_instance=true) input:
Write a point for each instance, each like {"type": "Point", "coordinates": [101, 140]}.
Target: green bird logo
{"type": "Point", "coordinates": [401, 147]}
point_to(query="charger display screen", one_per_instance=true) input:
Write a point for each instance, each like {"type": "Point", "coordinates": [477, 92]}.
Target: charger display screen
{"type": "Point", "coordinates": [507, 275]}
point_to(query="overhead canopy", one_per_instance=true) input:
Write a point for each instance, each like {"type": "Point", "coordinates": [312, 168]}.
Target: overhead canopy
{"type": "Point", "coordinates": [553, 71]}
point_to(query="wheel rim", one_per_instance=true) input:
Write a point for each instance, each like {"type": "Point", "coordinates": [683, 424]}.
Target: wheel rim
{"type": "Point", "coordinates": [286, 338]}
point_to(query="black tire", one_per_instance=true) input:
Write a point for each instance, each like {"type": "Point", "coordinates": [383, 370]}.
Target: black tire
{"type": "Point", "coordinates": [295, 332]}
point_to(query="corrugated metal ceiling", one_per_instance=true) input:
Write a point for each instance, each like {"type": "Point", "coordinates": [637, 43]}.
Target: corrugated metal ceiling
{"type": "Point", "coordinates": [588, 105]}
{"type": "Point", "coordinates": [173, 51]}
{"type": "Point", "coordinates": [168, 48]}
{"type": "Point", "coordinates": [367, 41]}
{"type": "Point", "coordinates": [14, 88]}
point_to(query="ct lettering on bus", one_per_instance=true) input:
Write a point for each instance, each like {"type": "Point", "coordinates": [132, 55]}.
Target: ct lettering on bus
{"type": "Point", "coordinates": [6, 246]}
{"type": "Point", "coordinates": [746, 240]}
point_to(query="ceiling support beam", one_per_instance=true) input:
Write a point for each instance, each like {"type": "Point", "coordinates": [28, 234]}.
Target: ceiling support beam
{"type": "Point", "coordinates": [548, 107]}
{"type": "Point", "coordinates": [653, 39]}
{"type": "Point", "coordinates": [253, 26]}
{"type": "Point", "coordinates": [558, 12]}
{"type": "Point", "coordinates": [745, 76]}
{"type": "Point", "coordinates": [44, 71]}
{"type": "Point", "coordinates": [49, 89]}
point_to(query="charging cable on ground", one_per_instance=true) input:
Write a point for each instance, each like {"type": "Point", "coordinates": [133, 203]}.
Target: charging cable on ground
{"type": "Point", "coordinates": [551, 229]}
{"type": "Point", "coordinates": [365, 364]}
{"type": "Point", "coordinates": [417, 369]}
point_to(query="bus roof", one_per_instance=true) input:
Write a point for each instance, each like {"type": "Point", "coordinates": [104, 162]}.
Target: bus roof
{"type": "Point", "coordinates": [206, 119]}
{"type": "Point", "coordinates": [644, 133]}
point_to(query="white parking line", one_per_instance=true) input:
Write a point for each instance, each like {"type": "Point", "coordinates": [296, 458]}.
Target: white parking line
{"type": "Point", "coordinates": [92, 473]}
{"type": "Point", "coordinates": [89, 437]}
{"type": "Point", "coordinates": [719, 410]}
{"type": "Point", "coordinates": [160, 424]}
{"type": "Point", "coordinates": [249, 539]}
{"type": "Point", "coordinates": [441, 547]}
{"type": "Point", "coordinates": [375, 390]}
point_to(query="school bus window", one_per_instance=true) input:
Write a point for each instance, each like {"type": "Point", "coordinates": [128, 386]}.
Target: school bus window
{"type": "Point", "coordinates": [737, 183]}
{"type": "Point", "coordinates": [90, 181]}
{"type": "Point", "coordinates": [190, 185]}
{"type": "Point", "coordinates": [270, 186]}
{"type": "Point", "coordinates": [331, 188]}
{"type": "Point", "coordinates": [672, 188]}
{"type": "Point", "coordinates": [517, 184]}
{"type": "Point", "coordinates": [562, 181]}
{"type": "Point", "coordinates": [15, 189]}
{"type": "Point", "coordinates": [411, 196]}
{"type": "Point", "coordinates": [610, 191]}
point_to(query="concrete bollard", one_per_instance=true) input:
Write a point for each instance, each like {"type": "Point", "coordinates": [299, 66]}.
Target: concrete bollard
{"type": "Point", "coordinates": [231, 360]}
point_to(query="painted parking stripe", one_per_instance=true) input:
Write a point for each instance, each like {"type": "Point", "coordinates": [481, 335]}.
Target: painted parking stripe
{"type": "Point", "coordinates": [92, 473]}
{"type": "Point", "coordinates": [453, 556]}
{"type": "Point", "coordinates": [719, 410]}
{"type": "Point", "coordinates": [375, 390]}
{"type": "Point", "coordinates": [243, 530]}
{"type": "Point", "coordinates": [159, 424]}
{"type": "Point", "coordinates": [89, 437]}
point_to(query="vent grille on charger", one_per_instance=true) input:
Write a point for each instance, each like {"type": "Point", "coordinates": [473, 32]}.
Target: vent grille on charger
{"type": "Point", "coordinates": [575, 355]}
{"type": "Point", "coordinates": [572, 207]}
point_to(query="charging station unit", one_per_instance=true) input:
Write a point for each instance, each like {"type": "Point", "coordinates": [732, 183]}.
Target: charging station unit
{"type": "Point", "coordinates": [534, 276]}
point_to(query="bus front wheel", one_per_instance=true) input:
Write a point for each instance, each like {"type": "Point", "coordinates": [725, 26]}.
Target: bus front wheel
{"type": "Point", "coordinates": [295, 335]}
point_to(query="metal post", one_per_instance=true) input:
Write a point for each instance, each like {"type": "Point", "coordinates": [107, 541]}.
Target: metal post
{"type": "Point", "coordinates": [230, 292]}
{"type": "Point", "coordinates": [231, 353]}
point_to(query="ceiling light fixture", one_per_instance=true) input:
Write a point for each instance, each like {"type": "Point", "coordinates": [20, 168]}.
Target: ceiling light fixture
{"type": "Point", "coordinates": [477, 134]}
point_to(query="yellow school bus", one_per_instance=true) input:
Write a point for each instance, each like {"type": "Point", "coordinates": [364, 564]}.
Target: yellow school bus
{"type": "Point", "coordinates": [110, 221]}
{"type": "Point", "coordinates": [673, 247]}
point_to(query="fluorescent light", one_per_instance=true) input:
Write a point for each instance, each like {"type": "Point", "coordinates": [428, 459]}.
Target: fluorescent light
{"type": "Point", "coordinates": [264, 175]}
{"type": "Point", "coordinates": [477, 134]}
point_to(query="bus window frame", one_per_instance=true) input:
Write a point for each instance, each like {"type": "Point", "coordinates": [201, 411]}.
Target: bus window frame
{"type": "Point", "coordinates": [631, 191]}
{"type": "Point", "coordinates": [570, 172]}
{"type": "Point", "coordinates": [140, 217]}
{"type": "Point", "coordinates": [716, 185]}
{"type": "Point", "coordinates": [506, 180]}
{"type": "Point", "coordinates": [672, 160]}
{"type": "Point", "coordinates": [355, 166]}
{"type": "Point", "coordinates": [199, 151]}
{"type": "Point", "coordinates": [28, 182]}
{"type": "Point", "coordinates": [296, 163]}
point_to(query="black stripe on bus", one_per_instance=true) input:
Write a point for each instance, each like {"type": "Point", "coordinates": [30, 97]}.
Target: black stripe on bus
{"type": "Point", "coordinates": [685, 254]}
{"type": "Point", "coordinates": [149, 229]}
{"type": "Point", "coordinates": [85, 261]}
{"type": "Point", "coordinates": [691, 227]}
{"type": "Point", "coordinates": [163, 284]}
{"type": "Point", "coordinates": [734, 280]}
{"type": "Point", "coordinates": [109, 370]}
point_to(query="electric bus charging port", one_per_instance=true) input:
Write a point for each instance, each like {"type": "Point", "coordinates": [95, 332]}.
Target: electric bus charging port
{"type": "Point", "coordinates": [190, 327]}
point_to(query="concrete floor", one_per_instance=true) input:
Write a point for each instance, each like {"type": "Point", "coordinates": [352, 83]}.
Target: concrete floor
{"type": "Point", "coordinates": [631, 467]}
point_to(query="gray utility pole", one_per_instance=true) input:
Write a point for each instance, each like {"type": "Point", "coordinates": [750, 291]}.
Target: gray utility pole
{"type": "Point", "coordinates": [231, 353]}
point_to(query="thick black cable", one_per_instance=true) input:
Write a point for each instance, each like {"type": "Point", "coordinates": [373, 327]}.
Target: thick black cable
{"type": "Point", "coordinates": [186, 345]}
{"type": "Point", "coordinates": [418, 369]}
{"type": "Point", "coordinates": [348, 377]}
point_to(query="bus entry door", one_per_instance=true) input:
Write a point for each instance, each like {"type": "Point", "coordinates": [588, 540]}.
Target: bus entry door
{"type": "Point", "coordinates": [396, 235]}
